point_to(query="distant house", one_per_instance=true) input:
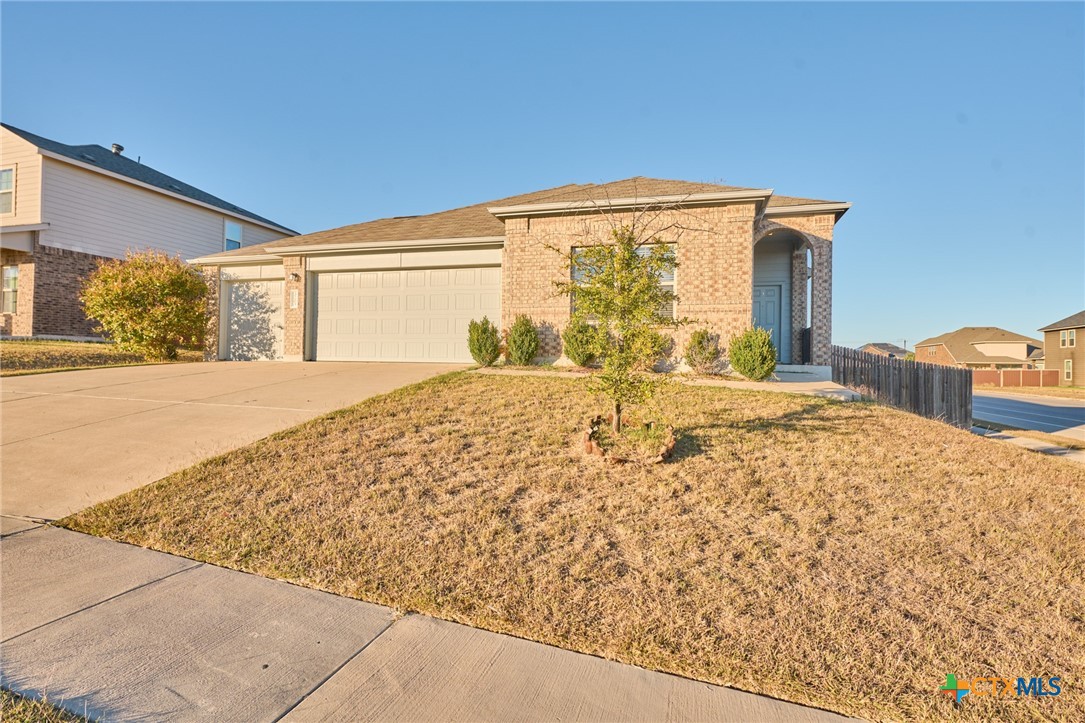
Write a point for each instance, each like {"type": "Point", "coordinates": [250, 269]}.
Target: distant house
{"type": "Point", "coordinates": [63, 208]}
{"type": "Point", "coordinates": [882, 348]}
{"type": "Point", "coordinates": [980, 347]}
{"type": "Point", "coordinates": [1062, 352]}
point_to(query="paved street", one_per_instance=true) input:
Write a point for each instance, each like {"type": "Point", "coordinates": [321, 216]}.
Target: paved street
{"type": "Point", "coordinates": [1042, 414]}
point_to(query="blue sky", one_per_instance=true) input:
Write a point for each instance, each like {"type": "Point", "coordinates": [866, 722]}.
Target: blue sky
{"type": "Point", "coordinates": [956, 130]}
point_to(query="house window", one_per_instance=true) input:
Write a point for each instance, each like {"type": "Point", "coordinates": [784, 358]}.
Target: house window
{"type": "Point", "coordinates": [1071, 337]}
{"type": "Point", "coordinates": [7, 191]}
{"type": "Point", "coordinates": [11, 290]}
{"type": "Point", "coordinates": [1062, 339]}
{"type": "Point", "coordinates": [930, 351]}
{"type": "Point", "coordinates": [233, 236]}
{"type": "Point", "coordinates": [1068, 369]}
{"type": "Point", "coordinates": [666, 280]}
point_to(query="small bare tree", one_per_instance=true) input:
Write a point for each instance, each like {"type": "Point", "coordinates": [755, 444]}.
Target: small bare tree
{"type": "Point", "coordinates": [616, 290]}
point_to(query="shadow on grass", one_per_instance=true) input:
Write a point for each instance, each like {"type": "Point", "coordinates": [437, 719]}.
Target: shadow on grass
{"type": "Point", "coordinates": [686, 445]}
{"type": "Point", "coordinates": [807, 419]}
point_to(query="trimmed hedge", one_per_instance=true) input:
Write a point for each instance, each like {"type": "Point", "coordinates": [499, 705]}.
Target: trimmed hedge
{"type": "Point", "coordinates": [753, 354]}
{"type": "Point", "coordinates": [484, 342]}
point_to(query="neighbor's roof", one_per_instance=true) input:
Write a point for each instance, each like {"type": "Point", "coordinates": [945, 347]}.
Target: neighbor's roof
{"type": "Point", "coordinates": [886, 347]}
{"type": "Point", "coordinates": [476, 221]}
{"type": "Point", "coordinates": [1074, 321]}
{"type": "Point", "coordinates": [961, 343]}
{"type": "Point", "coordinates": [107, 160]}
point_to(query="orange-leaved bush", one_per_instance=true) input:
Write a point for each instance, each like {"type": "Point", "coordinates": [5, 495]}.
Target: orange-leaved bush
{"type": "Point", "coordinates": [148, 303]}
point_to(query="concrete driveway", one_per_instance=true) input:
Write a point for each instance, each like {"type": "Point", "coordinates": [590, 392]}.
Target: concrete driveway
{"type": "Point", "coordinates": [73, 439]}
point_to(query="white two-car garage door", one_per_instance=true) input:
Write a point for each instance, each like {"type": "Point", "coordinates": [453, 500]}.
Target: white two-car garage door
{"type": "Point", "coordinates": [402, 315]}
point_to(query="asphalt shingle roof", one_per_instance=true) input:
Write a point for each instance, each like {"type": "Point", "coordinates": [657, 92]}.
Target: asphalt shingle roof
{"type": "Point", "coordinates": [961, 343]}
{"type": "Point", "coordinates": [476, 221]}
{"type": "Point", "coordinates": [886, 347]}
{"type": "Point", "coordinates": [106, 159]}
{"type": "Point", "coordinates": [1074, 321]}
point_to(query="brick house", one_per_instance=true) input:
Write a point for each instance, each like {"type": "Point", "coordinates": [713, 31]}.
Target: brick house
{"type": "Point", "coordinates": [64, 208]}
{"type": "Point", "coordinates": [980, 347]}
{"type": "Point", "coordinates": [1062, 352]}
{"type": "Point", "coordinates": [405, 288]}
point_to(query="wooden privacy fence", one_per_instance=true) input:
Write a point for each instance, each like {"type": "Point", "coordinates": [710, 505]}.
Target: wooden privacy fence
{"type": "Point", "coordinates": [1017, 377]}
{"type": "Point", "coordinates": [929, 390]}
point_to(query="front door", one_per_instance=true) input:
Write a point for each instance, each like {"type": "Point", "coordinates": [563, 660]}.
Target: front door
{"type": "Point", "coordinates": [766, 311]}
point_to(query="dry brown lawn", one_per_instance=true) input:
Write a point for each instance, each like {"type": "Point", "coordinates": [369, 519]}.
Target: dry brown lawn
{"type": "Point", "coordinates": [847, 556]}
{"type": "Point", "coordinates": [1063, 392]}
{"type": "Point", "coordinates": [34, 356]}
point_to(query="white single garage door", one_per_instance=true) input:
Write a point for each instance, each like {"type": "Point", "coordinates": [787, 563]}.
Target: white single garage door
{"type": "Point", "coordinates": [403, 315]}
{"type": "Point", "coordinates": [254, 320]}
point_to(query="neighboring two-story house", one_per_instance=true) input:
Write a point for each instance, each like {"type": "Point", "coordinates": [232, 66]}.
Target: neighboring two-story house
{"type": "Point", "coordinates": [405, 288]}
{"type": "Point", "coordinates": [1062, 350]}
{"type": "Point", "coordinates": [63, 208]}
{"type": "Point", "coordinates": [981, 347]}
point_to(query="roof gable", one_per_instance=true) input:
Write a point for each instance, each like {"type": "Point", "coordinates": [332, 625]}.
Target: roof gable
{"type": "Point", "coordinates": [106, 160]}
{"type": "Point", "coordinates": [1074, 321]}
{"type": "Point", "coordinates": [476, 221]}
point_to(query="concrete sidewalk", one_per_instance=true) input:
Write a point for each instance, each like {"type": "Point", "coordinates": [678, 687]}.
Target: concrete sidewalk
{"type": "Point", "coordinates": [126, 634]}
{"type": "Point", "coordinates": [1034, 445]}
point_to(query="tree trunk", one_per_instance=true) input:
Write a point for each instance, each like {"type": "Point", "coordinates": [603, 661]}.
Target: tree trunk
{"type": "Point", "coordinates": [617, 418]}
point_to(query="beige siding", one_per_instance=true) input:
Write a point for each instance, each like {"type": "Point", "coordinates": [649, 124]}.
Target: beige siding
{"type": "Point", "coordinates": [96, 214]}
{"type": "Point", "coordinates": [23, 156]}
{"type": "Point", "coordinates": [1013, 349]}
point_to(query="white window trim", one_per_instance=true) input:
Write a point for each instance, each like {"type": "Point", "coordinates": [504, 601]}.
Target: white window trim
{"type": "Point", "coordinates": [14, 184]}
{"type": "Point", "coordinates": [1068, 370]}
{"type": "Point", "coordinates": [1071, 338]}
{"type": "Point", "coordinates": [1062, 339]}
{"type": "Point", "coordinates": [14, 291]}
{"type": "Point", "coordinates": [225, 230]}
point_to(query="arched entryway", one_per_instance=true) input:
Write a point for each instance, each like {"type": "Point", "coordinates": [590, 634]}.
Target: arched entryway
{"type": "Point", "coordinates": [780, 291]}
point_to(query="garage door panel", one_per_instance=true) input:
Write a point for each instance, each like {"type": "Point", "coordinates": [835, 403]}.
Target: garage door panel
{"type": "Point", "coordinates": [254, 320]}
{"type": "Point", "coordinates": [413, 315]}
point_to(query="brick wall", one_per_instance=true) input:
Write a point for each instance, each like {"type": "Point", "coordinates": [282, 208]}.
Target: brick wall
{"type": "Point", "coordinates": [58, 275]}
{"type": "Point", "coordinates": [20, 323]}
{"type": "Point", "coordinates": [941, 355]}
{"type": "Point", "coordinates": [798, 301]}
{"type": "Point", "coordinates": [294, 319]}
{"type": "Point", "coordinates": [214, 284]}
{"type": "Point", "coordinates": [714, 279]}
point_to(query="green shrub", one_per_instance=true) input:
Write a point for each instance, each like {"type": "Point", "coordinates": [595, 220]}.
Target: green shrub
{"type": "Point", "coordinates": [522, 343]}
{"type": "Point", "coordinates": [484, 342]}
{"type": "Point", "coordinates": [703, 351]}
{"type": "Point", "coordinates": [149, 303]}
{"type": "Point", "coordinates": [578, 342]}
{"type": "Point", "coordinates": [753, 354]}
